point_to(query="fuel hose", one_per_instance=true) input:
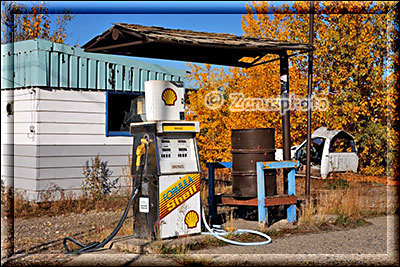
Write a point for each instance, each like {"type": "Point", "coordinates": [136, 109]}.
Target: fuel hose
{"type": "Point", "coordinates": [141, 149]}
{"type": "Point", "coordinates": [96, 245]}
{"type": "Point", "coordinates": [219, 233]}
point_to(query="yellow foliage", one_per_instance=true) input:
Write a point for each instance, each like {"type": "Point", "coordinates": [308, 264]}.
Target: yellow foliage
{"type": "Point", "coordinates": [351, 60]}
{"type": "Point", "coordinates": [32, 23]}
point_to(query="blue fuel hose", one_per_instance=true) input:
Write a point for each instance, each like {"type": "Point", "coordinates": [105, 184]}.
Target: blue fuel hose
{"type": "Point", "coordinates": [96, 245]}
{"type": "Point", "coordinates": [218, 233]}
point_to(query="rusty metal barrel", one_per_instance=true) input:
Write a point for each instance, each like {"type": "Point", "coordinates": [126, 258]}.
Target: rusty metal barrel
{"type": "Point", "coordinates": [248, 147]}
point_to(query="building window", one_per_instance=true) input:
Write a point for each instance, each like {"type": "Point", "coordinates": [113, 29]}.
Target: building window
{"type": "Point", "coordinates": [121, 109]}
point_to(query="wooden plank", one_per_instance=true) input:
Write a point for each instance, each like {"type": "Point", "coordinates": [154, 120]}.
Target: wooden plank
{"type": "Point", "coordinates": [20, 161]}
{"type": "Point", "coordinates": [68, 172]}
{"type": "Point", "coordinates": [78, 161]}
{"type": "Point", "coordinates": [282, 200]}
{"type": "Point", "coordinates": [73, 72]}
{"type": "Point", "coordinates": [70, 128]}
{"type": "Point", "coordinates": [82, 150]}
{"type": "Point", "coordinates": [20, 172]}
{"type": "Point", "coordinates": [19, 139]}
{"type": "Point", "coordinates": [19, 150]}
{"type": "Point", "coordinates": [64, 68]}
{"type": "Point", "coordinates": [66, 106]}
{"type": "Point", "coordinates": [101, 75]}
{"type": "Point", "coordinates": [92, 73]}
{"type": "Point", "coordinates": [118, 78]}
{"type": "Point", "coordinates": [262, 208]}
{"type": "Point", "coordinates": [83, 72]}
{"type": "Point", "coordinates": [280, 164]}
{"type": "Point", "coordinates": [269, 201]}
{"type": "Point", "coordinates": [54, 69]}
{"type": "Point", "coordinates": [20, 128]}
{"type": "Point", "coordinates": [61, 117]}
{"type": "Point", "coordinates": [24, 184]}
{"type": "Point", "coordinates": [28, 67]}
{"type": "Point", "coordinates": [70, 183]}
{"type": "Point", "coordinates": [80, 139]}
{"type": "Point", "coordinates": [230, 201]}
{"type": "Point", "coordinates": [291, 211]}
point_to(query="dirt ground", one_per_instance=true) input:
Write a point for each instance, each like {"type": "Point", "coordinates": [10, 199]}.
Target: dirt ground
{"type": "Point", "coordinates": [44, 235]}
{"type": "Point", "coordinates": [373, 244]}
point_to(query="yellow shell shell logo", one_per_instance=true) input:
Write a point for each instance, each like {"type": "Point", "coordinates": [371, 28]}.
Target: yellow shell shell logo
{"type": "Point", "coordinates": [191, 219]}
{"type": "Point", "coordinates": [169, 97]}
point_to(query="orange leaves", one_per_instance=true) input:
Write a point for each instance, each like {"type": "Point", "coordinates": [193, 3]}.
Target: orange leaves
{"type": "Point", "coordinates": [33, 23]}
{"type": "Point", "coordinates": [36, 24]}
{"type": "Point", "coordinates": [350, 70]}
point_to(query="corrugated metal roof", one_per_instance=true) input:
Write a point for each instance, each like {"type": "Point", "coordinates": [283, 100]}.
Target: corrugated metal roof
{"type": "Point", "coordinates": [41, 63]}
{"type": "Point", "coordinates": [186, 45]}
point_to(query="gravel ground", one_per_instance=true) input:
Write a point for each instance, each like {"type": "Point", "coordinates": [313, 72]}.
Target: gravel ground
{"type": "Point", "coordinates": [42, 237]}
{"type": "Point", "coordinates": [369, 239]}
{"type": "Point", "coordinates": [45, 235]}
{"type": "Point", "coordinates": [374, 244]}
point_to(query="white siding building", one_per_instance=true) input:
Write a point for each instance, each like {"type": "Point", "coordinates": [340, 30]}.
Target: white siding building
{"type": "Point", "coordinates": [68, 107]}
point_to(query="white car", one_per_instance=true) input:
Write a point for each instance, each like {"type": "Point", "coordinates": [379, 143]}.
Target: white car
{"type": "Point", "coordinates": [331, 151]}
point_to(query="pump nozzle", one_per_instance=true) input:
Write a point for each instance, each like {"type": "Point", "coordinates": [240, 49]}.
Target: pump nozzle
{"type": "Point", "coordinates": [140, 150]}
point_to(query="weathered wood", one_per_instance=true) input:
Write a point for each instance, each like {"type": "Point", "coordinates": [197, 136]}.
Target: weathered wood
{"type": "Point", "coordinates": [269, 201]}
{"type": "Point", "coordinates": [187, 45]}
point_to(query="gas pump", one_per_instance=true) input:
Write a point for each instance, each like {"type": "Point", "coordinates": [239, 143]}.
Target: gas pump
{"type": "Point", "coordinates": [167, 168]}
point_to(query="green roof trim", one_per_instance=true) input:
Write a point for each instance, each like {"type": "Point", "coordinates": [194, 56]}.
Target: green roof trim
{"type": "Point", "coordinates": [41, 63]}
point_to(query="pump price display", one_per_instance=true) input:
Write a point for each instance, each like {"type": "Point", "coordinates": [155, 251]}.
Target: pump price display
{"type": "Point", "coordinates": [177, 193]}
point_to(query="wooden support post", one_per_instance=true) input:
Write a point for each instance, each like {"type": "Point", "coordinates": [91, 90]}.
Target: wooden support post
{"type": "Point", "coordinates": [262, 210]}
{"type": "Point", "coordinates": [287, 164]}
{"type": "Point", "coordinates": [212, 208]}
{"type": "Point", "coordinates": [291, 211]}
{"type": "Point", "coordinates": [7, 230]}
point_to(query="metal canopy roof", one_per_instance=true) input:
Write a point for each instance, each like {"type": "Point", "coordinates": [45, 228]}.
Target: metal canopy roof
{"type": "Point", "coordinates": [186, 45]}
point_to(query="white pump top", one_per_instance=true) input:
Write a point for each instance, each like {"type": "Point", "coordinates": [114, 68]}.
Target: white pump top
{"type": "Point", "coordinates": [164, 101]}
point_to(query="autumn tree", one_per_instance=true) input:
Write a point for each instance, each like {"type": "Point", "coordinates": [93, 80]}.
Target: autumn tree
{"type": "Point", "coordinates": [20, 23]}
{"type": "Point", "coordinates": [353, 70]}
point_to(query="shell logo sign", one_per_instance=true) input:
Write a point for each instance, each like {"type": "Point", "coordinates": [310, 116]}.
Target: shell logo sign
{"type": "Point", "coordinates": [169, 97]}
{"type": "Point", "coordinates": [176, 194]}
{"type": "Point", "coordinates": [191, 219]}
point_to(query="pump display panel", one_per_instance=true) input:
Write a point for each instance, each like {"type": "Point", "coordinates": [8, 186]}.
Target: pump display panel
{"type": "Point", "coordinates": [177, 153]}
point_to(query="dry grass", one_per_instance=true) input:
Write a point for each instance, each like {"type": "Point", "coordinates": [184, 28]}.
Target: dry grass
{"type": "Point", "coordinates": [353, 201]}
{"type": "Point", "coordinates": [222, 184]}
{"type": "Point", "coordinates": [204, 193]}
{"type": "Point", "coordinates": [56, 202]}
{"type": "Point", "coordinates": [231, 223]}
{"type": "Point", "coordinates": [349, 199]}
{"type": "Point", "coordinates": [356, 177]}
{"type": "Point", "coordinates": [99, 233]}
{"type": "Point", "coordinates": [127, 178]}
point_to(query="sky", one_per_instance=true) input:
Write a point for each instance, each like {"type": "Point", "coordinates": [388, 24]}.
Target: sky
{"type": "Point", "coordinates": [84, 27]}
{"type": "Point", "coordinates": [93, 18]}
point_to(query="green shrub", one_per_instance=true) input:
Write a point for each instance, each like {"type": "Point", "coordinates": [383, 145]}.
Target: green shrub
{"type": "Point", "coordinates": [97, 181]}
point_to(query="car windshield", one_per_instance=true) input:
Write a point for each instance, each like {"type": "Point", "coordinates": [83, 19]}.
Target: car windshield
{"type": "Point", "coordinates": [317, 147]}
